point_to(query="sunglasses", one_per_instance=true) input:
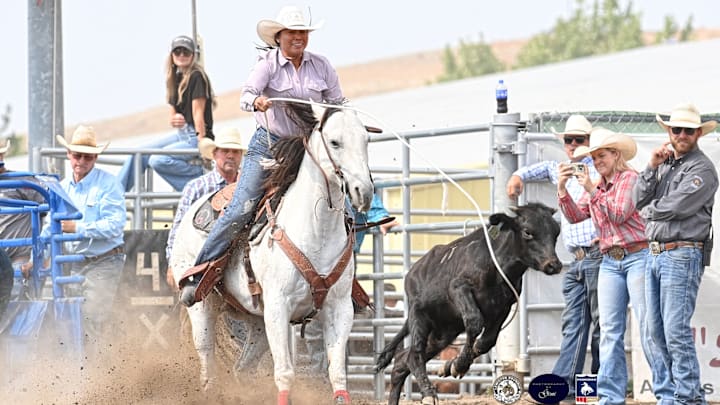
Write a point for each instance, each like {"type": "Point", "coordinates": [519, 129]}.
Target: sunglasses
{"type": "Point", "coordinates": [83, 156]}
{"type": "Point", "coordinates": [577, 139]}
{"type": "Point", "coordinates": [679, 130]}
{"type": "Point", "coordinates": [181, 51]}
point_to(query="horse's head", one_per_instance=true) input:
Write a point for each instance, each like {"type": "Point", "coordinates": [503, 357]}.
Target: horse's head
{"type": "Point", "coordinates": [345, 150]}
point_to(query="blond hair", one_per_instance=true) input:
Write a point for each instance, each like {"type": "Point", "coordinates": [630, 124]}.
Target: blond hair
{"type": "Point", "coordinates": [172, 87]}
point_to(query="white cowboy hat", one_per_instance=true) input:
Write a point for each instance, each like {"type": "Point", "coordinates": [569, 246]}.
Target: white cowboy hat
{"type": "Point", "coordinates": [575, 125]}
{"type": "Point", "coordinates": [601, 138]}
{"type": "Point", "coordinates": [289, 18]}
{"type": "Point", "coordinates": [83, 141]}
{"type": "Point", "coordinates": [686, 116]}
{"type": "Point", "coordinates": [227, 138]}
{"type": "Point", "coordinates": [6, 147]}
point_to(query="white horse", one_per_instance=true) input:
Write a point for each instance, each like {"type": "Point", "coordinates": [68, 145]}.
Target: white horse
{"type": "Point", "coordinates": [312, 215]}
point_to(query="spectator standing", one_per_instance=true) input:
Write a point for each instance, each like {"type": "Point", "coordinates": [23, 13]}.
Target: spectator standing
{"type": "Point", "coordinates": [580, 281]}
{"type": "Point", "coordinates": [675, 194]}
{"type": "Point", "coordinates": [227, 151]}
{"type": "Point", "coordinates": [621, 279]}
{"type": "Point", "coordinates": [191, 98]}
{"type": "Point", "coordinates": [98, 195]}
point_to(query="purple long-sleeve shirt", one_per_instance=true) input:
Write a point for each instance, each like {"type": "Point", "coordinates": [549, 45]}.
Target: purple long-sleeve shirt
{"type": "Point", "coordinates": [275, 76]}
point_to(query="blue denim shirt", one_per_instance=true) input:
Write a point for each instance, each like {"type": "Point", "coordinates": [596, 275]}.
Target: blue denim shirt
{"type": "Point", "coordinates": [376, 212]}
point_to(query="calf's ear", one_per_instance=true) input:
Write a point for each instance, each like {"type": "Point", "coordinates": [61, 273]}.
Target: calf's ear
{"type": "Point", "coordinates": [500, 218]}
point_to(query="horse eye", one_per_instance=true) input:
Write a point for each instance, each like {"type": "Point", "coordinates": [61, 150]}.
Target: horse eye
{"type": "Point", "coordinates": [525, 235]}
{"type": "Point", "coordinates": [335, 144]}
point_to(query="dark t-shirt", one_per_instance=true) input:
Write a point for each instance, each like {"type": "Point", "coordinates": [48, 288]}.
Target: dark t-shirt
{"type": "Point", "coordinates": [198, 87]}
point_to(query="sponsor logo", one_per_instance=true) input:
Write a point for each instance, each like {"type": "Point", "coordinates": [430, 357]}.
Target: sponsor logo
{"type": "Point", "coordinates": [507, 389]}
{"type": "Point", "coordinates": [586, 389]}
{"type": "Point", "coordinates": [548, 388]}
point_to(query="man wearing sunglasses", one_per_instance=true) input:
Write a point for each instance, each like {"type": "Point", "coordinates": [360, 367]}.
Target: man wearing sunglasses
{"type": "Point", "coordinates": [98, 195]}
{"type": "Point", "coordinates": [580, 281]}
{"type": "Point", "coordinates": [675, 195]}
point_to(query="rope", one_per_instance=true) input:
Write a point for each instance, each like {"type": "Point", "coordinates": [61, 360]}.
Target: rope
{"type": "Point", "coordinates": [442, 173]}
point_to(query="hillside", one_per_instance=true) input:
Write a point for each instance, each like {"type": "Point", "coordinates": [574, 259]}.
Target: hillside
{"type": "Point", "coordinates": [384, 75]}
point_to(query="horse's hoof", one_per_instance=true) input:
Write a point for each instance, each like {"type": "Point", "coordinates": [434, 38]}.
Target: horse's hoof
{"type": "Point", "coordinates": [444, 371]}
{"type": "Point", "coordinates": [430, 401]}
{"type": "Point", "coordinates": [187, 295]}
{"type": "Point", "coordinates": [283, 398]}
{"type": "Point", "coordinates": [342, 397]}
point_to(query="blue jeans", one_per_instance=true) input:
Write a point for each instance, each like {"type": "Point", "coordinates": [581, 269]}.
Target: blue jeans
{"type": "Point", "coordinates": [176, 170]}
{"type": "Point", "coordinates": [672, 280]}
{"type": "Point", "coordinates": [579, 316]}
{"type": "Point", "coordinates": [621, 282]}
{"type": "Point", "coordinates": [247, 194]}
{"type": "Point", "coordinates": [102, 278]}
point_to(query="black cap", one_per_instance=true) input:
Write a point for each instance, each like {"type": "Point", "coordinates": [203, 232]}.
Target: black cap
{"type": "Point", "coordinates": [183, 42]}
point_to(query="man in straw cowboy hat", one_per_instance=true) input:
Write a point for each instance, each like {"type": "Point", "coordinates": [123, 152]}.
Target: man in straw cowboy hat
{"type": "Point", "coordinates": [675, 195]}
{"type": "Point", "coordinates": [98, 195]}
{"type": "Point", "coordinates": [15, 226]}
{"type": "Point", "coordinates": [227, 151]}
{"type": "Point", "coordinates": [580, 281]}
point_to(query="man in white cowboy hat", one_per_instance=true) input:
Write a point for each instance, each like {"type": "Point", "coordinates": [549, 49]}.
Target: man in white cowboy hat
{"type": "Point", "coordinates": [15, 226]}
{"type": "Point", "coordinates": [227, 152]}
{"type": "Point", "coordinates": [98, 195]}
{"type": "Point", "coordinates": [580, 281]}
{"type": "Point", "coordinates": [675, 195]}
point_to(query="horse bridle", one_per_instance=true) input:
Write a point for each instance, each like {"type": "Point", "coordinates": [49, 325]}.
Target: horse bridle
{"type": "Point", "coordinates": [336, 168]}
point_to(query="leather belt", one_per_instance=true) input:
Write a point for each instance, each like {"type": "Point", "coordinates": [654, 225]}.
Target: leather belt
{"type": "Point", "coordinates": [619, 253]}
{"type": "Point", "coordinates": [657, 247]}
{"type": "Point", "coordinates": [581, 252]}
{"type": "Point", "coordinates": [114, 251]}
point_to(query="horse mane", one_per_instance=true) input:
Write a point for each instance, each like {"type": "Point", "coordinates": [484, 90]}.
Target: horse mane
{"type": "Point", "coordinates": [289, 151]}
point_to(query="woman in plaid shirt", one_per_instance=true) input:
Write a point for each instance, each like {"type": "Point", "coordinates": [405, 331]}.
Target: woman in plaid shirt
{"type": "Point", "coordinates": [621, 230]}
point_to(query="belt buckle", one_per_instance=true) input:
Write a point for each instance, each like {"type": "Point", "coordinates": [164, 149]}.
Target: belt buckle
{"type": "Point", "coordinates": [579, 253]}
{"type": "Point", "coordinates": [655, 248]}
{"type": "Point", "coordinates": [616, 252]}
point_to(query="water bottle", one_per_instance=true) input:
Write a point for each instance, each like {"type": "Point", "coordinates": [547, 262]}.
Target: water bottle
{"type": "Point", "coordinates": [501, 97]}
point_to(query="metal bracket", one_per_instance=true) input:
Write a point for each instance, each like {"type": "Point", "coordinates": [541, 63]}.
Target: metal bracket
{"type": "Point", "coordinates": [505, 147]}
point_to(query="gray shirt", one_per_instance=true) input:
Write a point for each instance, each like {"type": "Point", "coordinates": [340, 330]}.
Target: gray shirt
{"type": "Point", "coordinates": [676, 199]}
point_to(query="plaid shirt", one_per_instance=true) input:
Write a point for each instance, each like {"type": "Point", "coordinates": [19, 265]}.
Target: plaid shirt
{"type": "Point", "coordinates": [612, 208]}
{"type": "Point", "coordinates": [193, 190]}
{"type": "Point", "coordinates": [574, 234]}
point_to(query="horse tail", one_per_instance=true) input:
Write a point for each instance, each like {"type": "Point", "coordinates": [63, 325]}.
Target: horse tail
{"type": "Point", "coordinates": [388, 352]}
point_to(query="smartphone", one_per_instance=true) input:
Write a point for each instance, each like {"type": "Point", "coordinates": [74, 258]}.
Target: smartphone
{"type": "Point", "coordinates": [578, 168]}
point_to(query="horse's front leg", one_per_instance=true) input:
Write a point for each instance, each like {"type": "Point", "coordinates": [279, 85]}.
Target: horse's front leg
{"type": "Point", "coordinates": [277, 321]}
{"type": "Point", "coordinates": [337, 319]}
{"type": "Point", "coordinates": [203, 318]}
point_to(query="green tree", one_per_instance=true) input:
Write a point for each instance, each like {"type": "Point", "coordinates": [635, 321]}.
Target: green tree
{"type": "Point", "coordinates": [669, 30]}
{"type": "Point", "coordinates": [472, 59]}
{"type": "Point", "coordinates": [687, 31]}
{"type": "Point", "coordinates": [604, 28]}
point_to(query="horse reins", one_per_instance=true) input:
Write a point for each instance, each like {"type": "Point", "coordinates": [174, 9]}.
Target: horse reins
{"type": "Point", "coordinates": [336, 168]}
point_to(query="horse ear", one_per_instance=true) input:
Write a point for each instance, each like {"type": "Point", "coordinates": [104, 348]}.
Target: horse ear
{"type": "Point", "coordinates": [318, 111]}
{"type": "Point", "coordinates": [373, 130]}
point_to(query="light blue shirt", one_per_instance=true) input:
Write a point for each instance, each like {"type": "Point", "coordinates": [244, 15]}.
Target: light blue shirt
{"type": "Point", "coordinates": [376, 212]}
{"type": "Point", "coordinates": [574, 235]}
{"type": "Point", "coordinates": [100, 199]}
